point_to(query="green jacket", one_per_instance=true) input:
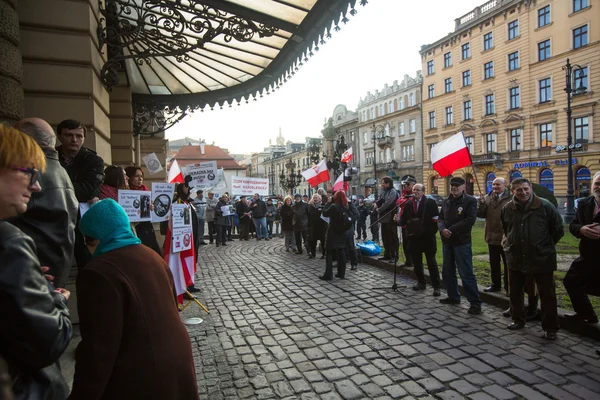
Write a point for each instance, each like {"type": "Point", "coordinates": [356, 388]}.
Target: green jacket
{"type": "Point", "coordinates": [532, 231]}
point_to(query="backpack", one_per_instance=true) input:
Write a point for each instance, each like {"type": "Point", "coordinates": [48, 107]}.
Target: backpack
{"type": "Point", "coordinates": [345, 221]}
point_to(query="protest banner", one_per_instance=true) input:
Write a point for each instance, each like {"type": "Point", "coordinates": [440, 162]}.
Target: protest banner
{"type": "Point", "coordinates": [182, 228]}
{"type": "Point", "coordinates": [136, 204]}
{"type": "Point", "coordinates": [162, 197]}
{"type": "Point", "coordinates": [247, 186]}
{"type": "Point", "coordinates": [152, 163]}
{"type": "Point", "coordinates": [204, 175]}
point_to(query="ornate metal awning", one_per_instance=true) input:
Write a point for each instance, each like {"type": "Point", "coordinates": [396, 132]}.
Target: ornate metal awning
{"type": "Point", "coordinates": [183, 55]}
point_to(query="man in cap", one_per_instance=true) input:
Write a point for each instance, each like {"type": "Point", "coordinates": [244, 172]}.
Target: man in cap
{"type": "Point", "coordinates": [457, 217]}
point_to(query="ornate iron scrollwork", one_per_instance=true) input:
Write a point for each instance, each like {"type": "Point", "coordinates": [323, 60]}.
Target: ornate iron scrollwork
{"type": "Point", "coordinates": [152, 119]}
{"type": "Point", "coordinates": [159, 28]}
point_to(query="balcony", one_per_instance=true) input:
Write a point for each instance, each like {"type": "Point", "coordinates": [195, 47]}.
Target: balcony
{"type": "Point", "coordinates": [489, 158]}
{"type": "Point", "coordinates": [387, 166]}
{"type": "Point", "coordinates": [384, 141]}
{"type": "Point", "coordinates": [544, 151]}
{"type": "Point", "coordinates": [514, 155]}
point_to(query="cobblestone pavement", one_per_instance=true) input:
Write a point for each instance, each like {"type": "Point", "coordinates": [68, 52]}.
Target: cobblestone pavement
{"type": "Point", "coordinates": [276, 331]}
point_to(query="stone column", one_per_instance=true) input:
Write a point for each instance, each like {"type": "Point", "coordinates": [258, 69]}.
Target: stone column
{"type": "Point", "coordinates": [12, 106]}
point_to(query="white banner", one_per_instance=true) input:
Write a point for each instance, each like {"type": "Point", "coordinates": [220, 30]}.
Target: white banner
{"type": "Point", "coordinates": [152, 163]}
{"type": "Point", "coordinates": [204, 175]}
{"type": "Point", "coordinates": [182, 228]}
{"type": "Point", "coordinates": [247, 186]}
{"type": "Point", "coordinates": [162, 197]}
{"type": "Point", "coordinates": [136, 204]}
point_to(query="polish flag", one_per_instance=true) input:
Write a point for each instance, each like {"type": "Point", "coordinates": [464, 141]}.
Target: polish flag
{"type": "Point", "coordinates": [347, 156]}
{"type": "Point", "coordinates": [175, 175]}
{"type": "Point", "coordinates": [317, 174]}
{"type": "Point", "coordinates": [181, 264]}
{"type": "Point", "coordinates": [340, 184]}
{"type": "Point", "coordinates": [450, 154]}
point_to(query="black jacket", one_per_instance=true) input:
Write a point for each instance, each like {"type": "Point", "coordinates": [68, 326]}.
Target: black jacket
{"type": "Point", "coordinates": [86, 172]}
{"type": "Point", "coordinates": [36, 328]}
{"type": "Point", "coordinates": [287, 217]}
{"type": "Point", "coordinates": [363, 213]}
{"type": "Point", "coordinates": [588, 248]}
{"type": "Point", "coordinates": [334, 239]}
{"type": "Point", "coordinates": [241, 209]}
{"type": "Point", "coordinates": [458, 215]}
{"type": "Point", "coordinates": [259, 209]}
{"type": "Point", "coordinates": [50, 219]}
{"type": "Point", "coordinates": [300, 216]}
{"type": "Point", "coordinates": [421, 223]}
{"type": "Point", "coordinates": [316, 225]}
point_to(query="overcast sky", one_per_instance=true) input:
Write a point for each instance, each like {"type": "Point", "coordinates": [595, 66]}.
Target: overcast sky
{"type": "Point", "coordinates": [378, 45]}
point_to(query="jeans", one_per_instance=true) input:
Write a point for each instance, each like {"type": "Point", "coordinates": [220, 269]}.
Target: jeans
{"type": "Point", "coordinates": [290, 240]}
{"type": "Point", "coordinates": [460, 257]}
{"type": "Point", "coordinates": [261, 228]}
{"type": "Point", "coordinates": [270, 228]}
{"type": "Point", "coordinates": [201, 230]}
{"type": "Point", "coordinates": [277, 228]}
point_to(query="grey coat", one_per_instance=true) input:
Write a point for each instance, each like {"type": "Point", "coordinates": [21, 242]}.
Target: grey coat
{"type": "Point", "coordinates": [211, 206]}
{"type": "Point", "coordinates": [386, 204]}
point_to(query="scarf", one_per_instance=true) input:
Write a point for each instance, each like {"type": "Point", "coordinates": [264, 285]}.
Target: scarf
{"type": "Point", "coordinates": [143, 187]}
{"type": "Point", "coordinates": [108, 192]}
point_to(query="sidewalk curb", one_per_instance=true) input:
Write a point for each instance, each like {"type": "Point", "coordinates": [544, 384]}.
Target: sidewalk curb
{"type": "Point", "coordinates": [496, 299]}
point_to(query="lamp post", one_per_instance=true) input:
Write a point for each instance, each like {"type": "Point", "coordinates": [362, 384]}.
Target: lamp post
{"type": "Point", "coordinates": [292, 180]}
{"type": "Point", "coordinates": [374, 138]}
{"type": "Point", "coordinates": [569, 69]}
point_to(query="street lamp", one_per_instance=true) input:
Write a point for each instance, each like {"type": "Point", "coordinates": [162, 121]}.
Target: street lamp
{"type": "Point", "coordinates": [374, 138]}
{"type": "Point", "coordinates": [314, 150]}
{"type": "Point", "coordinates": [569, 69]}
{"type": "Point", "coordinates": [292, 180]}
{"type": "Point", "coordinates": [336, 164]}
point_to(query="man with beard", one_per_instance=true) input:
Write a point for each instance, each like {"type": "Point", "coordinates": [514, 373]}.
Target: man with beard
{"type": "Point", "coordinates": [532, 227]}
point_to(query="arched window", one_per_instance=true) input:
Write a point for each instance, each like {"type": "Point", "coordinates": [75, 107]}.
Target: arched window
{"type": "Point", "coordinates": [395, 104]}
{"type": "Point", "coordinates": [489, 179]}
{"type": "Point", "coordinates": [387, 129]}
{"type": "Point", "coordinates": [385, 109]}
{"type": "Point", "coordinates": [388, 155]}
{"type": "Point", "coordinates": [401, 104]}
{"type": "Point", "coordinates": [411, 100]}
{"type": "Point", "coordinates": [381, 110]}
{"type": "Point", "coordinates": [547, 179]}
{"type": "Point", "coordinates": [515, 175]}
{"type": "Point", "coordinates": [583, 178]}
{"type": "Point", "coordinates": [368, 114]}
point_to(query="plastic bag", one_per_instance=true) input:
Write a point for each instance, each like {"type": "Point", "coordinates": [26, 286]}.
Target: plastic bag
{"type": "Point", "coordinates": [369, 248]}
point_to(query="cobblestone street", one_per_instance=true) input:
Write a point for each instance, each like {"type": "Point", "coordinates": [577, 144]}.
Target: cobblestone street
{"type": "Point", "coordinates": [277, 331]}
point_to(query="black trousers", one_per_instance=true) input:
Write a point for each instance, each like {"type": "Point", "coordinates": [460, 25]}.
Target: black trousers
{"type": "Point", "coordinates": [406, 248]}
{"type": "Point", "coordinates": [389, 233]}
{"type": "Point", "coordinates": [425, 245]}
{"type": "Point", "coordinates": [375, 232]}
{"type": "Point", "coordinates": [341, 260]}
{"type": "Point", "coordinates": [221, 234]}
{"type": "Point", "coordinates": [244, 228]}
{"type": "Point", "coordinates": [578, 281]}
{"type": "Point", "coordinates": [496, 253]}
{"type": "Point", "coordinates": [300, 237]}
{"type": "Point", "coordinates": [211, 231]}
{"type": "Point", "coordinates": [145, 233]}
{"type": "Point", "coordinates": [361, 227]}
{"type": "Point", "coordinates": [80, 250]}
{"type": "Point", "coordinates": [351, 250]}
{"type": "Point", "coordinates": [545, 284]}
{"type": "Point", "coordinates": [312, 245]}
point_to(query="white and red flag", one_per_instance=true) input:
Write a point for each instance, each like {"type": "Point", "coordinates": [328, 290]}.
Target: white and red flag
{"type": "Point", "coordinates": [340, 184]}
{"type": "Point", "coordinates": [181, 264]}
{"type": "Point", "coordinates": [175, 175]}
{"type": "Point", "coordinates": [347, 156]}
{"type": "Point", "coordinates": [317, 174]}
{"type": "Point", "coordinates": [450, 154]}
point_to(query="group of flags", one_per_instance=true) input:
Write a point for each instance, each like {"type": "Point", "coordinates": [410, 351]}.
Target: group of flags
{"type": "Point", "coordinates": [320, 173]}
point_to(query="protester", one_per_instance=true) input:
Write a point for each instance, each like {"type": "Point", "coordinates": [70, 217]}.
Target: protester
{"type": "Point", "coordinates": [305, 198]}
{"type": "Point", "coordinates": [144, 230]}
{"type": "Point", "coordinates": [272, 216]}
{"type": "Point", "coordinates": [385, 206]}
{"type": "Point", "coordinates": [300, 223]}
{"type": "Point", "coordinates": [323, 193]}
{"type": "Point", "coordinates": [335, 242]}
{"type": "Point", "coordinates": [408, 181]}
{"type": "Point", "coordinates": [287, 224]}
{"type": "Point", "coordinates": [316, 226]}
{"type": "Point", "coordinates": [361, 224]}
{"type": "Point", "coordinates": [583, 277]}
{"type": "Point", "coordinates": [222, 221]}
{"type": "Point", "coordinates": [374, 223]}
{"type": "Point", "coordinates": [129, 349]}
{"type": "Point", "coordinates": [51, 214]}
{"type": "Point", "coordinates": [420, 217]}
{"type": "Point", "coordinates": [350, 245]}
{"type": "Point", "coordinates": [36, 328]}
{"type": "Point", "coordinates": [259, 217]}
{"type": "Point", "coordinates": [457, 217]}
{"type": "Point", "coordinates": [200, 204]}
{"type": "Point", "coordinates": [114, 179]}
{"type": "Point", "coordinates": [243, 213]}
{"type": "Point", "coordinates": [211, 205]}
{"type": "Point", "coordinates": [532, 227]}
{"type": "Point", "coordinates": [86, 171]}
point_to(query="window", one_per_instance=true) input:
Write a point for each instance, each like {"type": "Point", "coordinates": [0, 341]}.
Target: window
{"type": "Point", "coordinates": [365, 138]}
{"type": "Point", "coordinates": [467, 110]}
{"type": "Point", "coordinates": [401, 128]}
{"type": "Point", "coordinates": [364, 115]}
{"type": "Point", "coordinates": [431, 119]}
{"type": "Point", "coordinates": [466, 51]}
{"type": "Point", "coordinates": [447, 60]}
{"type": "Point", "coordinates": [489, 105]}
{"type": "Point", "coordinates": [543, 16]}
{"type": "Point", "coordinates": [488, 41]}
{"type": "Point", "coordinates": [490, 143]}
{"type": "Point", "coordinates": [513, 29]}
{"type": "Point", "coordinates": [401, 104]}
{"type": "Point", "coordinates": [544, 50]}
{"type": "Point", "coordinates": [581, 130]}
{"type": "Point", "coordinates": [515, 139]}
{"type": "Point", "coordinates": [380, 109]}
{"type": "Point", "coordinates": [411, 100]}
{"type": "Point", "coordinates": [448, 85]}
{"type": "Point", "coordinates": [545, 135]}
{"type": "Point", "coordinates": [449, 117]}
{"type": "Point", "coordinates": [469, 143]}
{"type": "Point", "coordinates": [408, 152]}
{"type": "Point", "coordinates": [466, 78]}
{"type": "Point", "coordinates": [431, 146]}
{"type": "Point", "coordinates": [580, 80]}
{"type": "Point", "coordinates": [412, 126]}
{"type": "Point", "coordinates": [430, 68]}
{"type": "Point", "coordinates": [580, 36]}
{"type": "Point", "coordinates": [545, 90]}
{"type": "Point", "coordinates": [352, 136]}
{"type": "Point", "coordinates": [514, 97]}
{"type": "Point", "coordinates": [431, 91]}
{"type": "Point", "coordinates": [391, 106]}
{"type": "Point", "coordinates": [579, 5]}
{"type": "Point", "coordinates": [488, 70]}
{"type": "Point", "coordinates": [513, 61]}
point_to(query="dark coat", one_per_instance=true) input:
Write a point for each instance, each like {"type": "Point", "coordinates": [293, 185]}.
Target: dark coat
{"type": "Point", "coordinates": [354, 214]}
{"type": "Point", "coordinates": [316, 225]}
{"type": "Point", "coordinates": [373, 217]}
{"type": "Point", "coordinates": [490, 210]}
{"type": "Point", "coordinates": [287, 218]}
{"type": "Point", "coordinates": [220, 219]}
{"type": "Point", "coordinates": [36, 328]}
{"type": "Point", "coordinates": [241, 209]}
{"type": "Point", "coordinates": [272, 209]}
{"type": "Point", "coordinates": [259, 209]}
{"type": "Point", "coordinates": [458, 216]}
{"type": "Point", "coordinates": [532, 231]}
{"type": "Point", "coordinates": [135, 331]}
{"type": "Point", "coordinates": [86, 172]}
{"type": "Point", "coordinates": [335, 240]}
{"type": "Point", "coordinates": [422, 223]}
{"type": "Point", "coordinates": [387, 204]}
{"type": "Point", "coordinates": [300, 220]}
{"type": "Point", "coordinates": [50, 219]}
{"type": "Point", "coordinates": [363, 213]}
{"type": "Point", "coordinates": [589, 249]}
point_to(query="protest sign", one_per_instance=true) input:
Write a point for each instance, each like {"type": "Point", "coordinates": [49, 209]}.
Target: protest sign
{"type": "Point", "coordinates": [181, 228]}
{"type": "Point", "coordinates": [136, 204]}
{"type": "Point", "coordinates": [204, 175]}
{"type": "Point", "coordinates": [247, 186]}
{"type": "Point", "coordinates": [152, 163]}
{"type": "Point", "coordinates": [162, 197]}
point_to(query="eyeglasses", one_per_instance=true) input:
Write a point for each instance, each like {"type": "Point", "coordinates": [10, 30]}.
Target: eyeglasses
{"type": "Point", "coordinates": [34, 174]}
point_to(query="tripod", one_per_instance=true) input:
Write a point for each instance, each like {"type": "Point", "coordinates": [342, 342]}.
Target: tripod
{"type": "Point", "coordinates": [395, 287]}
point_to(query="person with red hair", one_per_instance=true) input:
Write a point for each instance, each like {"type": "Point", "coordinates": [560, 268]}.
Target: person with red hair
{"type": "Point", "coordinates": [335, 238]}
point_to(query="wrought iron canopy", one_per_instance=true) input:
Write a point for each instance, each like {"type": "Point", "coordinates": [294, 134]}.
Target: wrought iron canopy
{"type": "Point", "coordinates": [184, 55]}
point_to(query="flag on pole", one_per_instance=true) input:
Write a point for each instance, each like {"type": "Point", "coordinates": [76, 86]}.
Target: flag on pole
{"type": "Point", "coordinates": [450, 154]}
{"type": "Point", "coordinates": [340, 184]}
{"type": "Point", "coordinates": [175, 175]}
{"type": "Point", "coordinates": [347, 156]}
{"type": "Point", "coordinates": [317, 174]}
{"type": "Point", "coordinates": [181, 264]}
